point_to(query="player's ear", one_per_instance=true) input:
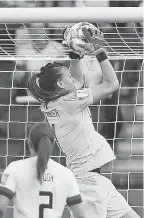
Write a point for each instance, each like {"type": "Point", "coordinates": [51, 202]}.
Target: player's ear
{"type": "Point", "coordinates": [60, 84]}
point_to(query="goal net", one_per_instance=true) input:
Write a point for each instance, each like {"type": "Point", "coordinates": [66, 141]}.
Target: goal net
{"type": "Point", "coordinates": [27, 46]}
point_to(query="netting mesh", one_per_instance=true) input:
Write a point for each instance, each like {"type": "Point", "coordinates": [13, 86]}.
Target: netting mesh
{"type": "Point", "coordinates": [29, 41]}
{"type": "Point", "coordinates": [119, 118]}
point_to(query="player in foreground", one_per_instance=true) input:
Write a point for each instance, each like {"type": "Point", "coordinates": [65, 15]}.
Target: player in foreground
{"type": "Point", "coordinates": [66, 106]}
{"type": "Point", "coordinates": [40, 186]}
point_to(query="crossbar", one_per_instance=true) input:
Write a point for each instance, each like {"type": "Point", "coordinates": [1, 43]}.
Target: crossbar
{"type": "Point", "coordinates": [71, 14]}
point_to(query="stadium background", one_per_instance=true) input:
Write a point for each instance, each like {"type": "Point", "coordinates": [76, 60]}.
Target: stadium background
{"type": "Point", "coordinates": [119, 118]}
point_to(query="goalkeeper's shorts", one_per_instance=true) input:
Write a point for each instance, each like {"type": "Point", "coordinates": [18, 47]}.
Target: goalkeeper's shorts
{"type": "Point", "coordinates": [100, 197]}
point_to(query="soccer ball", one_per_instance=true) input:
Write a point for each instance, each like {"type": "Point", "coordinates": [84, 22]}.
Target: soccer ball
{"type": "Point", "coordinates": [74, 37]}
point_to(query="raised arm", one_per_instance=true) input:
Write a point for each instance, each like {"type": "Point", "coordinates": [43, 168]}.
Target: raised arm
{"type": "Point", "coordinates": [85, 71]}
{"type": "Point", "coordinates": [91, 70]}
{"type": "Point", "coordinates": [110, 82]}
{"type": "Point", "coordinates": [76, 69]}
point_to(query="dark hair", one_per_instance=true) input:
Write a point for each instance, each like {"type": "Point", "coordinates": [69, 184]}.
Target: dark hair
{"type": "Point", "coordinates": [43, 86]}
{"type": "Point", "coordinates": [41, 137]}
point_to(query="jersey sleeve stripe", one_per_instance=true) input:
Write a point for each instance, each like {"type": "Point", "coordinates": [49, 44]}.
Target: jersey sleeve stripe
{"type": "Point", "coordinates": [74, 200]}
{"type": "Point", "coordinates": [6, 192]}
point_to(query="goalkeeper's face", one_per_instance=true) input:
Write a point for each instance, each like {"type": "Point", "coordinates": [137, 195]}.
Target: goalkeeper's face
{"type": "Point", "coordinates": [66, 82]}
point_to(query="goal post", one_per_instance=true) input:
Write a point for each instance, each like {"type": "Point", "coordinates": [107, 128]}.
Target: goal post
{"type": "Point", "coordinates": [120, 41]}
{"type": "Point", "coordinates": [71, 14]}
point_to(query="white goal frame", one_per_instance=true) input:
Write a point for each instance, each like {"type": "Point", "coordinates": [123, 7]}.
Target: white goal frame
{"type": "Point", "coordinates": [65, 15]}
{"type": "Point", "coordinates": [71, 14]}
{"type": "Point", "coordinates": [29, 104]}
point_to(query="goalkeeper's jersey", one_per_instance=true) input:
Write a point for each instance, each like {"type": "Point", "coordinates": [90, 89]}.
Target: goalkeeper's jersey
{"type": "Point", "coordinates": [84, 147]}
{"type": "Point", "coordinates": [33, 200]}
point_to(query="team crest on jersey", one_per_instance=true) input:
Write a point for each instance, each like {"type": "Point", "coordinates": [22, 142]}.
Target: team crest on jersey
{"type": "Point", "coordinates": [82, 93]}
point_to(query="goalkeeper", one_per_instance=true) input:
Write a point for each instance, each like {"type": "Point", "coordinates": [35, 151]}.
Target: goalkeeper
{"type": "Point", "coordinates": [66, 107]}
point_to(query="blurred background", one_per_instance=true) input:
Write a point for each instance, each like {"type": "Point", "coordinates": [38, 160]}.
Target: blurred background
{"type": "Point", "coordinates": [118, 118]}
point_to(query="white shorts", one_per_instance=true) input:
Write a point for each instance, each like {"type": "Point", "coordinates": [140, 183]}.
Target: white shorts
{"type": "Point", "coordinates": [100, 197]}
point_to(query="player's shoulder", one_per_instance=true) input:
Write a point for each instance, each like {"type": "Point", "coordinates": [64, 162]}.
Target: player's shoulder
{"type": "Point", "coordinates": [59, 167]}
{"type": "Point", "coordinates": [51, 105]}
{"type": "Point", "coordinates": [13, 167]}
{"type": "Point", "coordinates": [55, 164]}
{"type": "Point", "coordinates": [70, 97]}
{"type": "Point", "coordinates": [15, 163]}
{"type": "Point", "coordinates": [18, 164]}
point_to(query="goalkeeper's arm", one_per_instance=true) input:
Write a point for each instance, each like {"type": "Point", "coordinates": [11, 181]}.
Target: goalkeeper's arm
{"type": "Point", "coordinates": [110, 82]}
{"type": "Point", "coordinates": [87, 72]}
{"type": "Point", "coordinates": [75, 65]}
{"type": "Point", "coordinates": [76, 72]}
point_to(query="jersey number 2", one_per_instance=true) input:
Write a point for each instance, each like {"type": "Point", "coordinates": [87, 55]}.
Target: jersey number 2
{"type": "Point", "coordinates": [44, 206]}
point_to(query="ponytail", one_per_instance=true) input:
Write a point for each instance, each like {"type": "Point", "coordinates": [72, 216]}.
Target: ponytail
{"type": "Point", "coordinates": [43, 155]}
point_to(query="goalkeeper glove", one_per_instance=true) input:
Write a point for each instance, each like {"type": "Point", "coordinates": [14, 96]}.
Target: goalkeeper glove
{"type": "Point", "coordinates": [72, 54]}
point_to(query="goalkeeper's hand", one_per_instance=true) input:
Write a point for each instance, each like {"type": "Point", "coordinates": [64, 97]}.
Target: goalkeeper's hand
{"type": "Point", "coordinates": [72, 54]}
{"type": "Point", "coordinates": [94, 44]}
